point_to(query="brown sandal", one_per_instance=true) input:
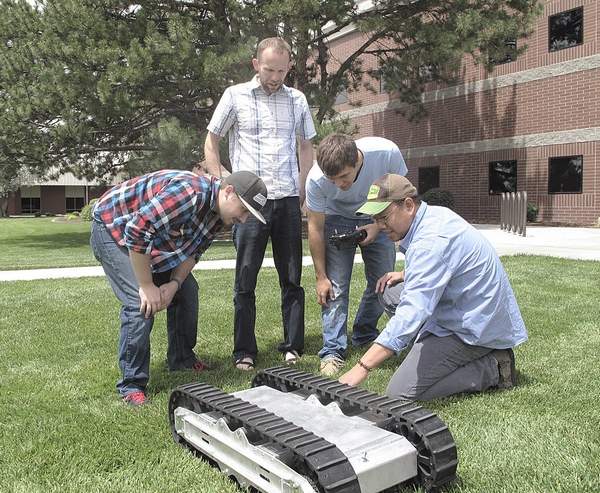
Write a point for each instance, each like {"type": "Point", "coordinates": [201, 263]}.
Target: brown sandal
{"type": "Point", "coordinates": [245, 364]}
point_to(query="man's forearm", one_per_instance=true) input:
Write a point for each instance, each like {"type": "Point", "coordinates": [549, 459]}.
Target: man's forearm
{"type": "Point", "coordinates": [316, 245]}
{"type": "Point", "coordinates": [376, 355]}
{"type": "Point", "coordinates": [305, 156]}
{"type": "Point", "coordinates": [140, 262]}
{"type": "Point", "coordinates": [212, 158]}
{"type": "Point", "coordinates": [183, 270]}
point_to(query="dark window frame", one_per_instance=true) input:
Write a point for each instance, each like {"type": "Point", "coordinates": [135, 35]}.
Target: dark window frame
{"type": "Point", "coordinates": [491, 191]}
{"type": "Point", "coordinates": [571, 157]}
{"type": "Point", "coordinates": [511, 44]}
{"type": "Point", "coordinates": [29, 209]}
{"type": "Point", "coordinates": [378, 76]}
{"type": "Point", "coordinates": [76, 209]}
{"type": "Point", "coordinates": [420, 169]}
{"type": "Point", "coordinates": [554, 50]}
{"type": "Point", "coordinates": [382, 88]}
{"type": "Point", "coordinates": [342, 97]}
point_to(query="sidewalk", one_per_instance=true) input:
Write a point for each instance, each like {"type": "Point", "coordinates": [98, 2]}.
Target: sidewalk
{"type": "Point", "coordinates": [574, 243]}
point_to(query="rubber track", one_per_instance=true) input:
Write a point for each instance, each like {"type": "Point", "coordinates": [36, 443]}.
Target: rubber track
{"type": "Point", "coordinates": [436, 451]}
{"type": "Point", "coordinates": [328, 465]}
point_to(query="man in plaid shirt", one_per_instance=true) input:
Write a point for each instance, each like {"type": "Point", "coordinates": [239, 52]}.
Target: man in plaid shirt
{"type": "Point", "coordinates": [148, 233]}
{"type": "Point", "coordinates": [266, 122]}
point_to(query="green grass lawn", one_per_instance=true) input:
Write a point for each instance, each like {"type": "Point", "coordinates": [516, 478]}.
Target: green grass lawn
{"type": "Point", "coordinates": [41, 242]}
{"type": "Point", "coordinates": [64, 429]}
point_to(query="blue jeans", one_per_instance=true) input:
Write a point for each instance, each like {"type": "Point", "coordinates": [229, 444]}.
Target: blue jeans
{"type": "Point", "coordinates": [134, 340]}
{"type": "Point", "coordinates": [379, 257]}
{"type": "Point", "coordinates": [284, 227]}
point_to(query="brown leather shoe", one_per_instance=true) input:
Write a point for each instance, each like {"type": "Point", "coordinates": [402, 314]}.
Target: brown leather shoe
{"type": "Point", "coordinates": [506, 368]}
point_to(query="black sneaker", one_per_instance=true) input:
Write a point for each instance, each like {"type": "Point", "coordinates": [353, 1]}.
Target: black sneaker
{"type": "Point", "coordinates": [506, 368]}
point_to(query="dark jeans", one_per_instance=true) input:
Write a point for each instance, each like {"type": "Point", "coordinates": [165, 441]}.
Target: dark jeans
{"type": "Point", "coordinates": [134, 340]}
{"type": "Point", "coordinates": [284, 227]}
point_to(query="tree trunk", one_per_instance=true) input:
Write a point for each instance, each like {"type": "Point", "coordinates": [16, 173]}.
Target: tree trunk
{"type": "Point", "coordinates": [4, 206]}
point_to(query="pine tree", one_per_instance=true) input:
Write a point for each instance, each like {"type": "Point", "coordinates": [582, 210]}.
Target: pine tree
{"type": "Point", "coordinates": [99, 86]}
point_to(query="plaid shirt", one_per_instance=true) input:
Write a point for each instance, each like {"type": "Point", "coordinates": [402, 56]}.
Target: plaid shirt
{"type": "Point", "coordinates": [170, 215]}
{"type": "Point", "coordinates": [262, 132]}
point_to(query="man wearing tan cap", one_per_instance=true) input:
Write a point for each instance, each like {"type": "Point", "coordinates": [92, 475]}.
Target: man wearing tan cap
{"type": "Point", "coordinates": [453, 301]}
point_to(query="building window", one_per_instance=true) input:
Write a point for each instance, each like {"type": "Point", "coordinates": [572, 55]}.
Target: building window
{"type": "Point", "coordinates": [565, 30]}
{"type": "Point", "coordinates": [503, 176]}
{"type": "Point", "coordinates": [508, 50]}
{"type": "Point", "coordinates": [381, 87]}
{"type": "Point", "coordinates": [429, 178]}
{"type": "Point", "coordinates": [30, 199]}
{"type": "Point", "coordinates": [73, 204]}
{"type": "Point", "coordinates": [342, 97]}
{"type": "Point", "coordinates": [74, 198]}
{"type": "Point", "coordinates": [30, 205]}
{"type": "Point", "coordinates": [565, 174]}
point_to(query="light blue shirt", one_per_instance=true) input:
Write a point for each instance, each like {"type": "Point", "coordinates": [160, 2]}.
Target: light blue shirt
{"type": "Point", "coordinates": [454, 284]}
{"type": "Point", "coordinates": [380, 156]}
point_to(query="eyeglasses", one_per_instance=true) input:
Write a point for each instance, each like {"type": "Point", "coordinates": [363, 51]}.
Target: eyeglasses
{"type": "Point", "coordinates": [384, 219]}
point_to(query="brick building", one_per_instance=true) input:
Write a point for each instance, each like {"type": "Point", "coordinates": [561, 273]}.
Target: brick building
{"type": "Point", "coordinates": [65, 194]}
{"type": "Point", "coordinates": [532, 124]}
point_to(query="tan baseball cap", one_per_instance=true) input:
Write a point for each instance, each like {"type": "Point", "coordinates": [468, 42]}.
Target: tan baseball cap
{"type": "Point", "coordinates": [386, 190]}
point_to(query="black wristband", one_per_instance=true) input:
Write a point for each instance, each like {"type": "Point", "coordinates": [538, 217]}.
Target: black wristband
{"type": "Point", "coordinates": [368, 368]}
{"type": "Point", "coordinates": [178, 282]}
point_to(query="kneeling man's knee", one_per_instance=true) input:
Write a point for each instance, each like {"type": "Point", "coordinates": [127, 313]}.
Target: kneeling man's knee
{"type": "Point", "coordinates": [400, 390]}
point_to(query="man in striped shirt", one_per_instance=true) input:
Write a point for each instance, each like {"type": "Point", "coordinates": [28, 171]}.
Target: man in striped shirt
{"type": "Point", "coordinates": [148, 233]}
{"type": "Point", "coordinates": [266, 123]}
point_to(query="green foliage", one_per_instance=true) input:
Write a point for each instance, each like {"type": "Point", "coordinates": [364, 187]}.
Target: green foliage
{"type": "Point", "coordinates": [92, 87]}
{"type": "Point", "coordinates": [340, 125]}
{"type": "Point", "coordinates": [532, 212]}
{"type": "Point", "coordinates": [438, 196]}
{"type": "Point", "coordinates": [95, 87]}
{"type": "Point", "coordinates": [86, 211]}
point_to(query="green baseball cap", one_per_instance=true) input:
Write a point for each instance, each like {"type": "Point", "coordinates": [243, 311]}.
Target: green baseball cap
{"type": "Point", "coordinates": [384, 191]}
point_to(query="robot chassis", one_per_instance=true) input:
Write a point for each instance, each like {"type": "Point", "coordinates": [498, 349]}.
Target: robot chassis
{"type": "Point", "coordinates": [297, 432]}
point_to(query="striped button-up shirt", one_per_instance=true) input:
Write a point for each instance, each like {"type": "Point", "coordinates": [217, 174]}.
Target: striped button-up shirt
{"type": "Point", "coordinates": [170, 215]}
{"type": "Point", "coordinates": [454, 284]}
{"type": "Point", "coordinates": [262, 133]}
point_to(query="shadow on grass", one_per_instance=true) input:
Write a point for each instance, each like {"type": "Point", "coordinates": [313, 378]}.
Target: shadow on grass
{"type": "Point", "coordinates": [49, 241]}
{"type": "Point", "coordinates": [223, 370]}
{"type": "Point", "coordinates": [525, 380]}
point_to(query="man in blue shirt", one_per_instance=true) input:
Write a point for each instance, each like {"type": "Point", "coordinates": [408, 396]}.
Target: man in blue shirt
{"type": "Point", "coordinates": [335, 188]}
{"type": "Point", "coordinates": [453, 299]}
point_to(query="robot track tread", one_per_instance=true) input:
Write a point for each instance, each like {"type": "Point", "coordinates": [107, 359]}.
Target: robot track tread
{"type": "Point", "coordinates": [323, 463]}
{"type": "Point", "coordinates": [437, 458]}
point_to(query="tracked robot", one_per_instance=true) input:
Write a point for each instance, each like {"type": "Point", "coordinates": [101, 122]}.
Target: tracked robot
{"type": "Point", "coordinates": [295, 432]}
